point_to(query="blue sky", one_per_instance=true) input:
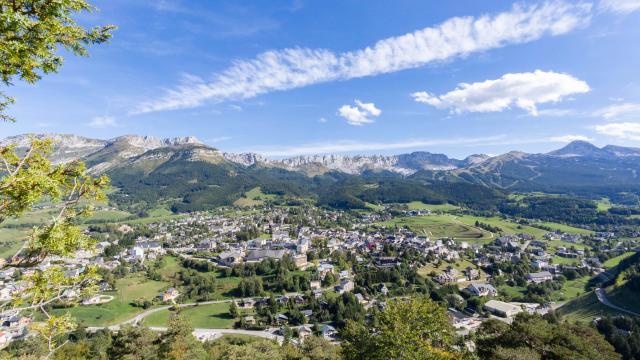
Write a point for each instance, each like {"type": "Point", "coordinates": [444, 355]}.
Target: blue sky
{"type": "Point", "coordinates": [299, 77]}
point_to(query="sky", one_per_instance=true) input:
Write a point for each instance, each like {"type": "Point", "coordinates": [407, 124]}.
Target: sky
{"type": "Point", "coordinates": [299, 77]}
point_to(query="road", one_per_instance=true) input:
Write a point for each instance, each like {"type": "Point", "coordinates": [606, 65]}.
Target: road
{"type": "Point", "coordinates": [212, 334]}
{"type": "Point", "coordinates": [602, 297]}
{"type": "Point", "coordinates": [136, 319]}
{"type": "Point", "coordinates": [203, 334]}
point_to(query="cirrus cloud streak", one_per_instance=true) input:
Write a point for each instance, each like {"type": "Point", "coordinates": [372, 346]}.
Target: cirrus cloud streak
{"type": "Point", "coordinates": [278, 70]}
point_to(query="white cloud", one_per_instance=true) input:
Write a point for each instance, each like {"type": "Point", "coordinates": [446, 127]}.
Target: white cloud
{"type": "Point", "coordinates": [620, 6]}
{"type": "Point", "coordinates": [360, 114]}
{"type": "Point", "coordinates": [322, 120]}
{"type": "Point", "coordinates": [624, 130]}
{"type": "Point", "coordinates": [523, 90]}
{"type": "Point", "coordinates": [101, 122]}
{"type": "Point", "coordinates": [569, 138]}
{"type": "Point", "coordinates": [557, 112]}
{"type": "Point", "coordinates": [614, 111]}
{"type": "Point", "coordinates": [297, 67]}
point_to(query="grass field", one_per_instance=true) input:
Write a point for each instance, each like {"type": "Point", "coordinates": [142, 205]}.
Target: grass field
{"type": "Point", "coordinates": [120, 309]}
{"type": "Point", "coordinates": [616, 260]}
{"type": "Point", "coordinates": [224, 286]}
{"type": "Point", "coordinates": [584, 309]}
{"type": "Point", "coordinates": [254, 197]}
{"type": "Point", "coordinates": [11, 241]}
{"type": "Point", "coordinates": [625, 298]}
{"type": "Point", "coordinates": [604, 204]}
{"type": "Point", "coordinates": [458, 265]}
{"type": "Point", "coordinates": [554, 244]}
{"type": "Point", "coordinates": [564, 261]}
{"type": "Point", "coordinates": [567, 228]}
{"type": "Point", "coordinates": [439, 226]}
{"type": "Point", "coordinates": [374, 207]}
{"type": "Point", "coordinates": [571, 289]}
{"type": "Point", "coordinates": [511, 291]}
{"type": "Point", "coordinates": [462, 227]}
{"type": "Point", "coordinates": [418, 205]}
{"type": "Point", "coordinates": [507, 226]}
{"type": "Point", "coordinates": [213, 316]}
{"type": "Point", "coordinates": [38, 217]}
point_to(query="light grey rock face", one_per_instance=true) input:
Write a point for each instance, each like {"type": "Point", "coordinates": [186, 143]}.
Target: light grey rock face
{"type": "Point", "coordinates": [102, 155]}
{"type": "Point", "coordinates": [245, 159]}
{"type": "Point", "coordinates": [151, 142]}
{"type": "Point", "coordinates": [66, 147]}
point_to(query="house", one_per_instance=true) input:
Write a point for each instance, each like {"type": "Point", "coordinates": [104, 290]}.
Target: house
{"type": "Point", "coordinates": [501, 308]}
{"type": "Point", "coordinates": [386, 261]}
{"type": "Point", "coordinates": [345, 286]}
{"type": "Point", "coordinates": [17, 322]}
{"type": "Point", "coordinates": [303, 246]}
{"type": "Point", "coordinates": [324, 269]}
{"type": "Point", "coordinates": [170, 295]}
{"type": "Point", "coordinates": [481, 290]}
{"type": "Point", "coordinates": [229, 258]}
{"type": "Point", "coordinates": [151, 246]}
{"type": "Point", "coordinates": [282, 319]}
{"type": "Point", "coordinates": [249, 320]}
{"type": "Point", "coordinates": [328, 332]}
{"type": "Point", "coordinates": [304, 332]}
{"type": "Point", "coordinates": [445, 278]}
{"type": "Point", "coordinates": [259, 255]}
{"type": "Point", "coordinates": [383, 289]}
{"type": "Point", "coordinates": [315, 284]}
{"type": "Point", "coordinates": [360, 298]}
{"type": "Point", "coordinates": [124, 228]}
{"type": "Point", "coordinates": [540, 277]}
{"type": "Point", "coordinates": [247, 303]}
{"type": "Point", "coordinates": [300, 261]}
{"type": "Point", "coordinates": [539, 264]}
{"type": "Point", "coordinates": [471, 273]}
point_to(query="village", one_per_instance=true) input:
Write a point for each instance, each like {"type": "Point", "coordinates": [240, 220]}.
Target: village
{"type": "Point", "coordinates": [339, 253]}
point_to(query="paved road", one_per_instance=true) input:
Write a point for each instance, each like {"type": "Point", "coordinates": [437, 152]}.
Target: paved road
{"type": "Point", "coordinates": [212, 334]}
{"type": "Point", "coordinates": [203, 334]}
{"type": "Point", "coordinates": [602, 297]}
{"type": "Point", "coordinates": [136, 319]}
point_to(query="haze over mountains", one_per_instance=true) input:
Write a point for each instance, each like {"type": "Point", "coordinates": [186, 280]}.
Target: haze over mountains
{"type": "Point", "coordinates": [105, 154]}
{"type": "Point", "coordinates": [579, 167]}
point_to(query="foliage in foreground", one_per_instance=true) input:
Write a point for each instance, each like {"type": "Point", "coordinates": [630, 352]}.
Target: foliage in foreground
{"type": "Point", "coordinates": [414, 329]}
{"type": "Point", "coordinates": [531, 337]}
{"type": "Point", "coordinates": [32, 33]}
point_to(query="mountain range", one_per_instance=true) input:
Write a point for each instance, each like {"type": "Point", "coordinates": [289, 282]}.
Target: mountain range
{"type": "Point", "coordinates": [579, 168]}
{"type": "Point", "coordinates": [102, 155]}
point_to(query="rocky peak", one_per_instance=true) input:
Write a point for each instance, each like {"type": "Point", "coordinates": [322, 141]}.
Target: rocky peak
{"type": "Point", "coordinates": [579, 148]}
{"type": "Point", "coordinates": [245, 159]}
{"type": "Point", "coordinates": [152, 142]}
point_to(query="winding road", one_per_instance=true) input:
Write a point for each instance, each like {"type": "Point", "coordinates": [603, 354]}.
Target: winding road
{"type": "Point", "coordinates": [202, 334]}
{"type": "Point", "coordinates": [602, 297]}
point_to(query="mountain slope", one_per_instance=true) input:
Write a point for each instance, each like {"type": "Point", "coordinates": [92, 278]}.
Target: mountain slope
{"type": "Point", "coordinates": [138, 163]}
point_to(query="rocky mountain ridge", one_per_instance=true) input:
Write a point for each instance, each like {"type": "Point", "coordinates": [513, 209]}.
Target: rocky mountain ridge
{"type": "Point", "coordinates": [133, 150]}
